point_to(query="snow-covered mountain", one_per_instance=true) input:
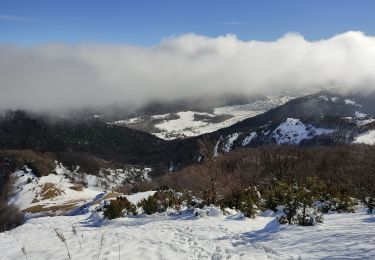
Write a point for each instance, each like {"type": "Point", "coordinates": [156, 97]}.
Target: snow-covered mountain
{"type": "Point", "coordinates": [323, 118]}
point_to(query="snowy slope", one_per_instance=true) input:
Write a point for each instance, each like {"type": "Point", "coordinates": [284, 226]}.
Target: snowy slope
{"type": "Point", "coordinates": [366, 138]}
{"type": "Point", "coordinates": [106, 178]}
{"type": "Point", "coordinates": [342, 236]}
{"type": "Point", "coordinates": [289, 131]}
{"type": "Point", "coordinates": [64, 190]}
{"type": "Point", "coordinates": [53, 193]}
{"type": "Point", "coordinates": [293, 131]}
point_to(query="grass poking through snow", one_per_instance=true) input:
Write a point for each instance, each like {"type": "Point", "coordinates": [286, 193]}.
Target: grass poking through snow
{"type": "Point", "coordinates": [60, 235]}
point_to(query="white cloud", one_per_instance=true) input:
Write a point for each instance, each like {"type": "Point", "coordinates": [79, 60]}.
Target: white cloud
{"type": "Point", "coordinates": [75, 76]}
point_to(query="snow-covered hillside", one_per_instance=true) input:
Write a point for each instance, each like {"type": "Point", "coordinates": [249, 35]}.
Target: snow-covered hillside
{"type": "Point", "coordinates": [64, 190]}
{"type": "Point", "coordinates": [293, 131]}
{"type": "Point", "coordinates": [342, 236]}
{"type": "Point", "coordinates": [193, 123]}
{"type": "Point", "coordinates": [366, 138]}
{"type": "Point", "coordinates": [289, 131]}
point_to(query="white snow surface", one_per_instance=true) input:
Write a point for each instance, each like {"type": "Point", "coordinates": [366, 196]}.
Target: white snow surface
{"type": "Point", "coordinates": [186, 126]}
{"type": "Point", "coordinates": [342, 236]}
{"type": "Point", "coordinates": [366, 138]}
{"type": "Point", "coordinates": [106, 178]}
{"type": "Point", "coordinates": [352, 102]}
{"type": "Point", "coordinates": [229, 143]}
{"type": "Point", "coordinates": [249, 138]}
{"type": "Point", "coordinates": [293, 131]}
{"type": "Point", "coordinates": [60, 189]}
{"type": "Point", "coordinates": [359, 115]}
{"type": "Point", "coordinates": [30, 191]}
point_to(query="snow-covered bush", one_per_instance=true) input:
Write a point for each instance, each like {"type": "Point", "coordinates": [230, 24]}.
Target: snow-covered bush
{"type": "Point", "coordinates": [211, 211]}
{"type": "Point", "coordinates": [249, 200]}
{"type": "Point", "coordinates": [168, 199]}
{"type": "Point", "coordinates": [308, 217]}
{"type": "Point", "coordinates": [246, 201]}
{"type": "Point", "coordinates": [299, 201]}
{"type": "Point", "coordinates": [343, 203]}
{"type": "Point", "coordinates": [275, 196]}
{"type": "Point", "coordinates": [118, 208]}
{"type": "Point", "coordinates": [165, 199]}
{"type": "Point", "coordinates": [370, 204]}
{"type": "Point", "coordinates": [149, 205]}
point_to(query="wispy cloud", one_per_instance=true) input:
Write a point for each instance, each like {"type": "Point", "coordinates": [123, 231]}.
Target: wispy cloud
{"type": "Point", "coordinates": [229, 22]}
{"type": "Point", "coordinates": [14, 18]}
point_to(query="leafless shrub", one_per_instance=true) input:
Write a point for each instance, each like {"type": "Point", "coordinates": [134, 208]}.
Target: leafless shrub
{"type": "Point", "coordinates": [10, 216]}
{"type": "Point", "coordinates": [345, 169]}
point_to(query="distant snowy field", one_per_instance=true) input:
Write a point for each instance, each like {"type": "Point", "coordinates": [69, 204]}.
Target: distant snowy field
{"type": "Point", "coordinates": [188, 123]}
{"type": "Point", "coordinates": [187, 126]}
{"type": "Point", "coordinates": [342, 236]}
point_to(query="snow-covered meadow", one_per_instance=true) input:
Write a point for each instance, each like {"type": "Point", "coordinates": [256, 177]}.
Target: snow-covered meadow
{"type": "Point", "coordinates": [162, 236]}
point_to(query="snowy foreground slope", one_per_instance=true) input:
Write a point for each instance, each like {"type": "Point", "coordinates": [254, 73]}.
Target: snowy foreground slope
{"type": "Point", "coordinates": [342, 236]}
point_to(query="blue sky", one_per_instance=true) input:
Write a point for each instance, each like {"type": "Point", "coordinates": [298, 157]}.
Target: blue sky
{"type": "Point", "coordinates": [145, 23]}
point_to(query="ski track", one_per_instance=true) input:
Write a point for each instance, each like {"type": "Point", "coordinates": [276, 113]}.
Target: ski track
{"type": "Point", "coordinates": [342, 236]}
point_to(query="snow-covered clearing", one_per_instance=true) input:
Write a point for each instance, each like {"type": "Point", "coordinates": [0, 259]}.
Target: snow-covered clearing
{"type": "Point", "coordinates": [249, 138]}
{"type": "Point", "coordinates": [366, 138]}
{"type": "Point", "coordinates": [186, 125]}
{"type": "Point", "coordinates": [342, 236]}
{"type": "Point", "coordinates": [293, 131]}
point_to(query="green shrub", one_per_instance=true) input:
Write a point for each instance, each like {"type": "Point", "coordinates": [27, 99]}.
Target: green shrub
{"type": "Point", "coordinates": [119, 207]}
{"type": "Point", "coordinates": [168, 199]}
{"type": "Point", "coordinates": [164, 199]}
{"type": "Point", "coordinates": [275, 196]}
{"type": "Point", "coordinates": [149, 205]}
{"type": "Point", "coordinates": [298, 201]}
{"type": "Point", "coordinates": [341, 203]}
{"type": "Point", "coordinates": [232, 200]}
{"type": "Point", "coordinates": [246, 201]}
{"type": "Point", "coordinates": [249, 200]}
{"type": "Point", "coordinates": [344, 204]}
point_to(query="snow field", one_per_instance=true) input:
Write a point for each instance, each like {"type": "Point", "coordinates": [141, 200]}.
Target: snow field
{"type": "Point", "coordinates": [342, 236]}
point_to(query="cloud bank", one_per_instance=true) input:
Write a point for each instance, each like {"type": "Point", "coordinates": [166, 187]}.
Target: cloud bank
{"type": "Point", "coordinates": [59, 76]}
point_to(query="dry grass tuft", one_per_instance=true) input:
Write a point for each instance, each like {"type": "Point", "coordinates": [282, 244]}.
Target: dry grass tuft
{"type": "Point", "coordinates": [62, 238]}
{"type": "Point", "coordinates": [54, 210]}
{"type": "Point", "coordinates": [77, 187]}
{"type": "Point", "coordinates": [49, 191]}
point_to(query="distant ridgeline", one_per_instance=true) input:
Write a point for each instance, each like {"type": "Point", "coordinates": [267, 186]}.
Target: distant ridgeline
{"type": "Point", "coordinates": [324, 118]}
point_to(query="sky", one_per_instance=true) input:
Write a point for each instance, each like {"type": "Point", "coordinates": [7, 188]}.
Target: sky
{"type": "Point", "coordinates": [61, 55]}
{"type": "Point", "coordinates": [146, 23]}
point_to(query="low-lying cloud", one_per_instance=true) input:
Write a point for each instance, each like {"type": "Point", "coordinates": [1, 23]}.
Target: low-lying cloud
{"type": "Point", "coordinates": [60, 76]}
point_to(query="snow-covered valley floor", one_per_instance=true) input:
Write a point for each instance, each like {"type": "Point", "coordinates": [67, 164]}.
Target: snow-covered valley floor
{"type": "Point", "coordinates": [342, 236]}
